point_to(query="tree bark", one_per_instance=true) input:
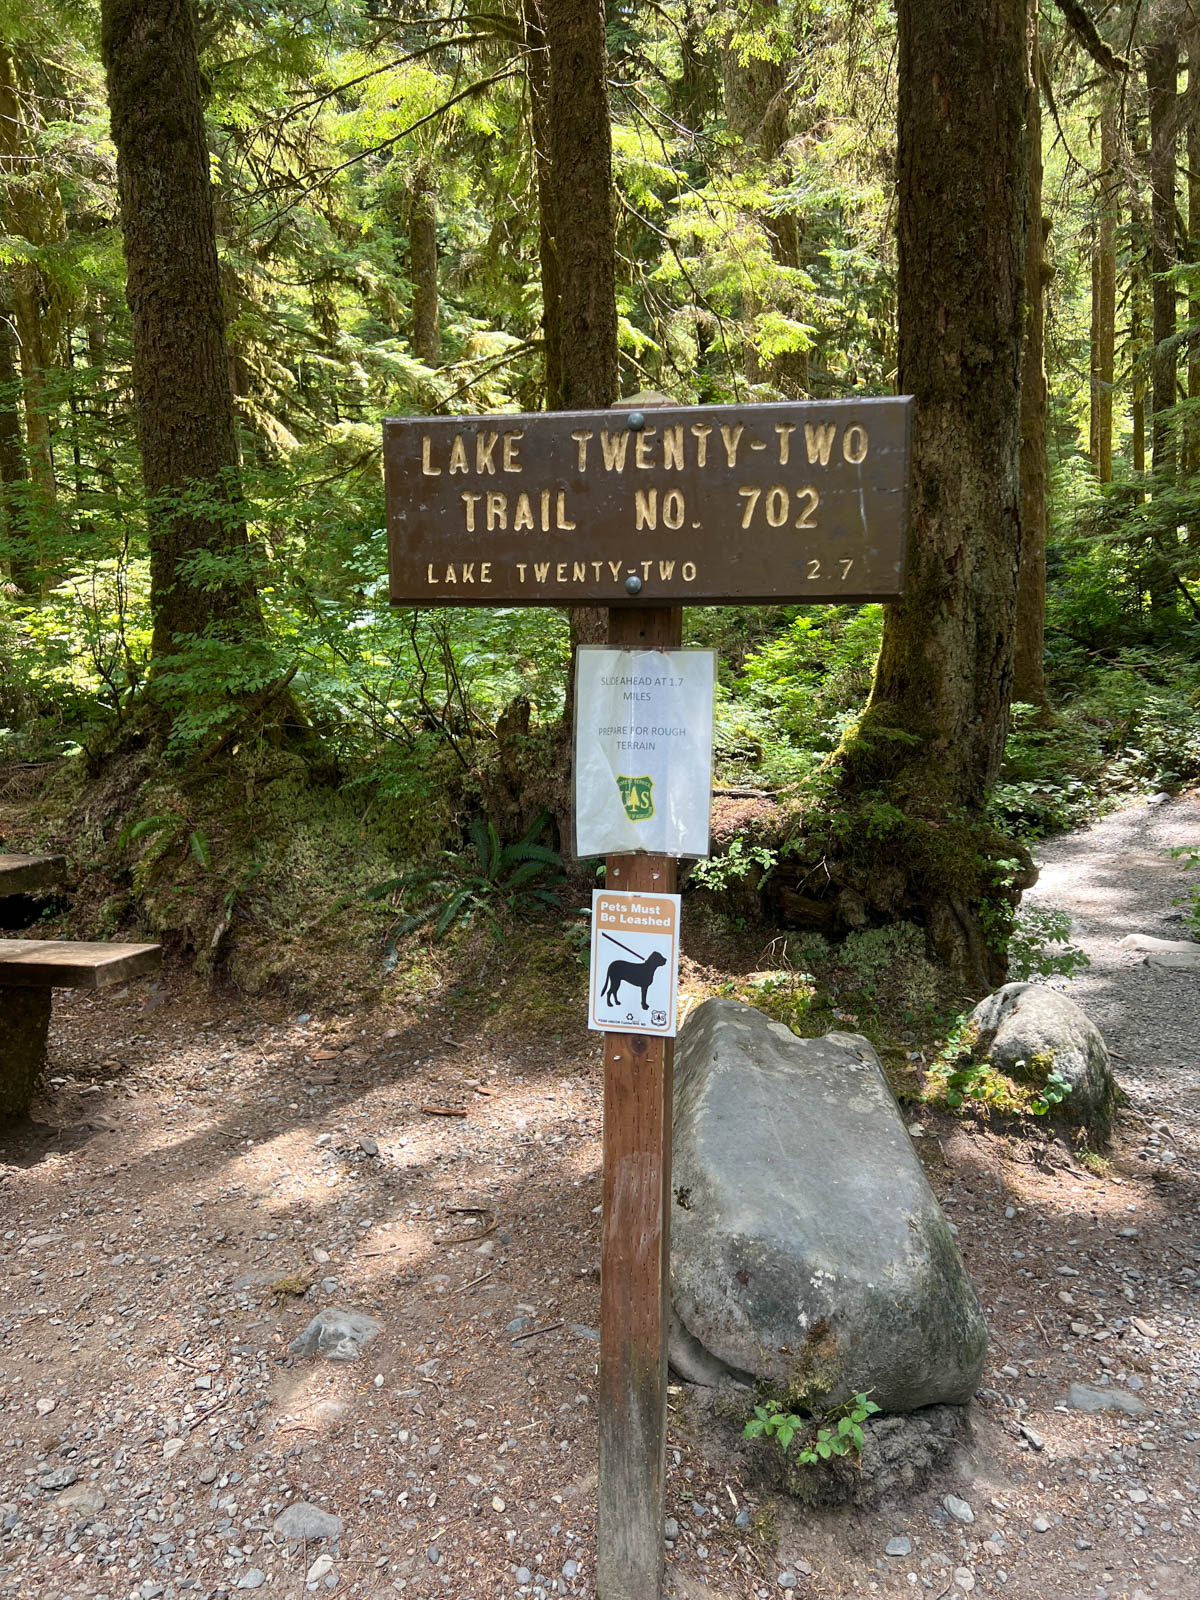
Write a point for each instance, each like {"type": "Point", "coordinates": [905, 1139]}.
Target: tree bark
{"type": "Point", "coordinates": [14, 479]}
{"type": "Point", "coordinates": [1029, 671]}
{"type": "Point", "coordinates": [180, 357]}
{"type": "Point", "coordinates": [1192, 432]}
{"type": "Point", "coordinates": [537, 78]}
{"type": "Point", "coordinates": [758, 114]}
{"type": "Point", "coordinates": [423, 262]}
{"type": "Point", "coordinates": [1104, 342]}
{"type": "Point", "coordinates": [31, 208]}
{"type": "Point", "coordinates": [918, 769]}
{"type": "Point", "coordinates": [1162, 75]}
{"type": "Point", "coordinates": [584, 233]}
{"type": "Point", "coordinates": [582, 212]}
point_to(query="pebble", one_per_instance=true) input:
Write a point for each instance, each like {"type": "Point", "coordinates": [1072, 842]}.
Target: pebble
{"type": "Point", "coordinates": [301, 1520]}
{"type": "Point", "coordinates": [368, 1146]}
{"type": "Point", "coordinates": [742, 1520]}
{"type": "Point", "coordinates": [319, 1569]}
{"type": "Point", "coordinates": [323, 1139]}
{"type": "Point", "coordinates": [336, 1335]}
{"type": "Point", "coordinates": [172, 1447]}
{"type": "Point", "coordinates": [46, 1406]}
{"type": "Point", "coordinates": [570, 1568]}
{"type": "Point", "coordinates": [898, 1545]}
{"type": "Point", "coordinates": [787, 1580]}
{"type": "Point", "coordinates": [86, 1498]}
{"type": "Point", "coordinates": [256, 1577]}
{"type": "Point", "coordinates": [1082, 1397]}
{"type": "Point", "coordinates": [433, 1555]}
{"type": "Point", "coordinates": [671, 1529]}
{"type": "Point", "coordinates": [964, 1578]}
{"type": "Point", "coordinates": [958, 1509]}
{"type": "Point", "coordinates": [524, 1575]}
{"type": "Point", "coordinates": [57, 1478]}
{"type": "Point", "coordinates": [1040, 1525]}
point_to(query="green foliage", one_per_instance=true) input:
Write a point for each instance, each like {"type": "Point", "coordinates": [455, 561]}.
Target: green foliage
{"type": "Point", "coordinates": [1039, 945]}
{"type": "Point", "coordinates": [837, 1434]}
{"type": "Point", "coordinates": [958, 1076]}
{"type": "Point", "coordinates": [507, 879]}
{"type": "Point", "coordinates": [734, 865]}
{"type": "Point", "coordinates": [787, 707]}
{"type": "Point", "coordinates": [1189, 855]}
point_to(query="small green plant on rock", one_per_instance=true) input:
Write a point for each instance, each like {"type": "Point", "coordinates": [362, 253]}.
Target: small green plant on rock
{"type": "Point", "coordinates": [842, 1437]}
{"type": "Point", "coordinates": [957, 1076]}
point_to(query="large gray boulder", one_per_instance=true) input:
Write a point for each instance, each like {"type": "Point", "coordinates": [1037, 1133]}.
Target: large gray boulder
{"type": "Point", "coordinates": [807, 1248]}
{"type": "Point", "coordinates": [1027, 1030]}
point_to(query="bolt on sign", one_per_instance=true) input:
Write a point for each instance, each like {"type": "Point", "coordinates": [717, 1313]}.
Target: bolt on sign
{"type": "Point", "coordinates": [679, 505]}
{"type": "Point", "coordinates": [634, 963]}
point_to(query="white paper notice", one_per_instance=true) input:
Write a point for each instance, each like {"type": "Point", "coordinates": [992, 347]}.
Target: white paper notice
{"type": "Point", "coordinates": [643, 751]}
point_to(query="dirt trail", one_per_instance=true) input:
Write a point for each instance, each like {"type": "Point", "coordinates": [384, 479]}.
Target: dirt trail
{"type": "Point", "coordinates": [1116, 878]}
{"type": "Point", "coordinates": [197, 1160]}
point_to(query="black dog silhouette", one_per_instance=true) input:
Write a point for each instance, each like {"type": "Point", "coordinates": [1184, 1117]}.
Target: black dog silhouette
{"type": "Point", "coordinates": [640, 974]}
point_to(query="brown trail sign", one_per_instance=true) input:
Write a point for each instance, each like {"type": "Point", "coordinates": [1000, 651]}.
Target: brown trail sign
{"type": "Point", "coordinates": [716, 505]}
{"type": "Point", "coordinates": [696, 505]}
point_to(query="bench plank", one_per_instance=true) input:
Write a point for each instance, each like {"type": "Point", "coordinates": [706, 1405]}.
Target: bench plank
{"type": "Point", "coordinates": [23, 874]}
{"type": "Point", "coordinates": [68, 964]}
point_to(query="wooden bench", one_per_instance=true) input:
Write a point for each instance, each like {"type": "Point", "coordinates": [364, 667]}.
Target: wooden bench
{"type": "Point", "coordinates": [30, 969]}
{"type": "Point", "coordinates": [25, 874]}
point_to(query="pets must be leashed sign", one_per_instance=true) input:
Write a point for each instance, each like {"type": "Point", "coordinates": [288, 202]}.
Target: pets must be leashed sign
{"type": "Point", "coordinates": [635, 963]}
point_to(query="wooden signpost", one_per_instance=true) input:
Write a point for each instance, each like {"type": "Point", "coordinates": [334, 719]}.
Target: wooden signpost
{"type": "Point", "coordinates": [645, 508]}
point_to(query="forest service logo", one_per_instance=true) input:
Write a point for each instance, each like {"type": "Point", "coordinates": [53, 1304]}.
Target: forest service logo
{"type": "Point", "coordinates": [637, 796]}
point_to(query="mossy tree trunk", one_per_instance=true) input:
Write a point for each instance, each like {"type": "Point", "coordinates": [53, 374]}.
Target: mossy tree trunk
{"type": "Point", "coordinates": [758, 112]}
{"type": "Point", "coordinates": [1029, 671]}
{"type": "Point", "coordinates": [537, 78]}
{"type": "Point", "coordinates": [1162, 78]}
{"type": "Point", "coordinates": [31, 209]}
{"type": "Point", "coordinates": [1104, 309]}
{"type": "Point", "coordinates": [909, 832]}
{"type": "Point", "coordinates": [423, 265]}
{"type": "Point", "coordinates": [180, 357]}
{"type": "Point", "coordinates": [14, 480]}
{"type": "Point", "coordinates": [582, 217]}
{"type": "Point", "coordinates": [1192, 432]}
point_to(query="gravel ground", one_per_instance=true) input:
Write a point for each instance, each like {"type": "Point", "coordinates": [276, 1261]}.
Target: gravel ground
{"type": "Point", "coordinates": [205, 1175]}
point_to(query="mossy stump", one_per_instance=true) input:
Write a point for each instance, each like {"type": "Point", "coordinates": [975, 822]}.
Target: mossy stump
{"type": "Point", "coordinates": [24, 1027]}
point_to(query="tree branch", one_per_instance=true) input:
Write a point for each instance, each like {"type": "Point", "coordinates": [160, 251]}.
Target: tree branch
{"type": "Point", "coordinates": [1083, 26]}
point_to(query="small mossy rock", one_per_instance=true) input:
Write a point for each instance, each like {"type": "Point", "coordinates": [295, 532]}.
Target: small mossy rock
{"type": "Point", "coordinates": [1026, 1029]}
{"type": "Point", "coordinates": [808, 1250]}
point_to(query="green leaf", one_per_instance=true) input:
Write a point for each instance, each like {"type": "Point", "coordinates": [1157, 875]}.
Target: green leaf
{"type": "Point", "coordinates": [147, 825]}
{"type": "Point", "coordinates": [452, 910]}
{"type": "Point", "coordinates": [198, 844]}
